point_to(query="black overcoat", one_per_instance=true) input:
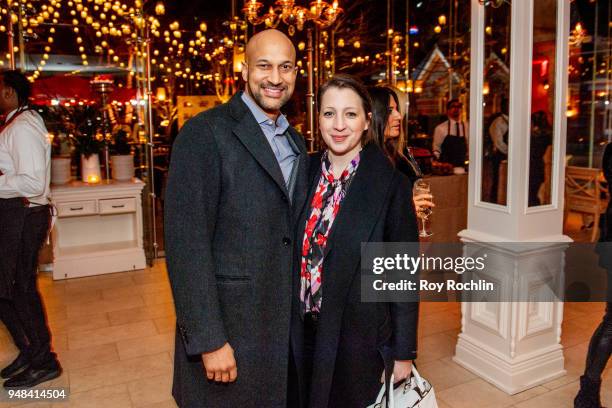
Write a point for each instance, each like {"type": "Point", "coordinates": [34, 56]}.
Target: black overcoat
{"type": "Point", "coordinates": [355, 338]}
{"type": "Point", "coordinates": [229, 222]}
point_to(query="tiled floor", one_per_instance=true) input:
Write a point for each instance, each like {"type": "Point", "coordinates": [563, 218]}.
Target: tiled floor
{"type": "Point", "coordinates": [114, 337]}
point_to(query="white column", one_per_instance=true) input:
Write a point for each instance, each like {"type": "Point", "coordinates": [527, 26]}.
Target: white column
{"type": "Point", "coordinates": [516, 345]}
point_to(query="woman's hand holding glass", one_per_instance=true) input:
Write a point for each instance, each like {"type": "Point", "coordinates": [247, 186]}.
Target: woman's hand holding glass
{"type": "Point", "coordinates": [423, 202]}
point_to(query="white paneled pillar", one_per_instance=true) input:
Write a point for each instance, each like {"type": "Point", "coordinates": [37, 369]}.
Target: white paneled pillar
{"type": "Point", "coordinates": [516, 345]}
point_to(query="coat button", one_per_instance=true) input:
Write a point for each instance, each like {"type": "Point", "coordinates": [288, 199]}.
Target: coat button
{"type": "Point", "coordinates": [286, 241]}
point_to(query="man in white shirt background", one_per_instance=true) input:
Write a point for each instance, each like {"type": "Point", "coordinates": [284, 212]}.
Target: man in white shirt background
{"type": "Point", "coordinates": [450, 138]}
{"type": "Point", "coordinates": [25, 155]}
{"type": "Point", "coordinates": [498, 131]}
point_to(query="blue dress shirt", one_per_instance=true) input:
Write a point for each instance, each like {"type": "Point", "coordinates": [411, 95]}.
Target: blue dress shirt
{"type": "Point", "coordinates": [276, 134]}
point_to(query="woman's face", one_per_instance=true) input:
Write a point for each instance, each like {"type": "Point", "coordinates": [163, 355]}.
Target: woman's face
{"type": "Point", "coordinates": [342, 121]}
{"type": "Point", "coordinates": [394, 122]}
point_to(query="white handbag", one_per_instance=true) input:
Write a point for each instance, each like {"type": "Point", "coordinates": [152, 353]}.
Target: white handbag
{"type": "Point", "coordinates": [414, 392]}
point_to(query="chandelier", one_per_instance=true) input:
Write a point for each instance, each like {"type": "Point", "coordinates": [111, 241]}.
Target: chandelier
{"type": "Point", "coordinates": [320, 12]}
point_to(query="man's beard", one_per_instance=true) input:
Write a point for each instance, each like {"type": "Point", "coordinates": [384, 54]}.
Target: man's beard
{"type": "Point", "coordinates": [260, 99]}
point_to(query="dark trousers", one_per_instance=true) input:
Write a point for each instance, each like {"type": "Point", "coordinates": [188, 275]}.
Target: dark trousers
{"type": "Point", "coordinates": [600, 347]}
{"type": "Point", "coordinates": [24, 314]}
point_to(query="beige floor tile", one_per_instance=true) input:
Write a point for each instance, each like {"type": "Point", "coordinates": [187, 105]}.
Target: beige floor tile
{"type": "Point", "coordinates": [573, 334]}
{"type": "Point", "coordinates": [156, 298]}
{"type": "Point", "coordinates": [115, 338]}
{"type": "Point", "coordinates": [79, 323]}
{"type": "Point", "coordinates": [589, 308]}
{"type": "Point", "coordinates": [149, 276]}
{"type": "Point", "coordinates": [165, 324]}
{"type": "Point", "coordinates": [444, 375]}
{"type": "Point", "coordinates": [88, 356]}
{"type": "Point", "coordinates": [561, 381]}
{"type": "Point", "coordinates": [33, 405]}
{"type": "Point", "coordinates": [102, 306]}
{"type": "Point", "coordinates": [135, 290]}
{"type": "Point", "coordinates": [562, 397]}
{"type": "Point", "coordinates": [56, 313]}
{"type": "Point", "coordinates": [439, 322]}
{"type": "Point", "coordinates": [120, 372]}
{"type": "Point", "coordinates": [116, 396]}
{"type": "Point", "coordinates": [94, 283]}
{"type": "Point", "coordinates": [140, 314]}
{"type": "Point", "coordinates": [442, 404]}
{"type": "Point", "coordinates": [427, 308]}
{"type": "Point", "coordinates": [59, 341]}
{"type": "Point", "coordinates": [167, 404]}
{"type": "Point", "coordinates": [151, 390]}
{"type": "Point", "coordinates": [479, 393]}
{"type": "Point", "coordinates": [110, 334]}
{"type": "Point", "coordinates": [62, 299]}
{"type": "Point", "coordinates": [435, 347]}
{"type": "Point", "coordinates": [143, 346]}
{"type": "Point", "coordinates": [575, 358]}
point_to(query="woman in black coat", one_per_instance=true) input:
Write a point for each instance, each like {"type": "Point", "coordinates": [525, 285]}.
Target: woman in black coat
{"type": "Point", "coordinates": [387, 125]}
{"type": "Point", "coordinates": [340, 344]}
{"type": "Point", "coordinates": [600, 346]}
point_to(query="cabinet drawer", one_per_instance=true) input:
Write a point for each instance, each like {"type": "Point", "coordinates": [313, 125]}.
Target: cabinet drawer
{"type": "Point", "coordinates": [75, 208]}
{"type": "Point", "coordinates": [117, 205]}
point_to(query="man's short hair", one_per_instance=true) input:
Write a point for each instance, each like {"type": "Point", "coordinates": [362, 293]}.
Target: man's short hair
{"type": "Point", "coordinates": [18, 81]}
{"type": "Point", "coordinates": [453, 101]}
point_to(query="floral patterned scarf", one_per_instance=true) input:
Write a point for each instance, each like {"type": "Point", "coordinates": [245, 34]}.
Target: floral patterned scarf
{"type": "Point", "coordinates": [323, 210]}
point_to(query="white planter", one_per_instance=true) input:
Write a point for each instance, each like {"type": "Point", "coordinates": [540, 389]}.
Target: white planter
{"type": "Point", "coordinates": [122, 167]}
{"type": "Point", "coordinates": [90, 169]}
{"type": "Point", "coordinates": [60, 170]}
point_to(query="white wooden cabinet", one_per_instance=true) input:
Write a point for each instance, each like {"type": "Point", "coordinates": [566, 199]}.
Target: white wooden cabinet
{"type": "Point", "coordinates": [99, 228]}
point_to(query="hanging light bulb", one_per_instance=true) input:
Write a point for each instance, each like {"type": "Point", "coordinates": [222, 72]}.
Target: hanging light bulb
{"type": "Point", "coordinates": [160, 9]}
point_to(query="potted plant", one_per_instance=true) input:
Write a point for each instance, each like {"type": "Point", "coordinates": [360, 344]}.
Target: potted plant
{"type": "Point", "coordinates": [89, 147]}
{"type": "Point", "coordinates": [61, 159]}
{"type": "Point", "coordinates": [122, 161]}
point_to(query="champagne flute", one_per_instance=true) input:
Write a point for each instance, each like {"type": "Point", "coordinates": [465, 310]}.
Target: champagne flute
{"type": "Point", "coordinates": [422, 187]}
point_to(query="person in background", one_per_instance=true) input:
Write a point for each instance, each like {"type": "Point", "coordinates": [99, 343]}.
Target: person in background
{"type": "Point", "coordinates": [25, 157]}
{"type": "Point", "coordinates": [450, 138]}
{"type": "Point", "coordinates": [498, 132]}
{"type": "Point", "coordinates": [541, 138]}
{"type": "Point", "coordinates": [600, 346]}
{"type": "Point", "coordinates": [341, 344]}
{"type": "Point", "coordinates": [387, 124]}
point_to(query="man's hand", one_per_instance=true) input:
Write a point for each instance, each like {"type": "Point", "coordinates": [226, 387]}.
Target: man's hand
{"type": "Point", "coordinates": [220, 365]}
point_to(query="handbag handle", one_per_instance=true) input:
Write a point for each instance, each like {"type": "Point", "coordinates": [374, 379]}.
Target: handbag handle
{"type": "Point", "coordinates": [419, 380]}
{"type": "Point", "coordinates": [390, 403]}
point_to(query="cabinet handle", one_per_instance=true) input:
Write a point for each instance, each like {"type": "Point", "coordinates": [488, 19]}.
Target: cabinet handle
{"type": "Point", "coordinates": [76, 208]}
{"type": "Point", "coordinates": [118, 206]}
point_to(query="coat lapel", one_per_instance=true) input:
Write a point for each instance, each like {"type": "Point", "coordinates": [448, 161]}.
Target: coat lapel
{"type": "Point", "coordinates": [358, 215]}
{"type": "Point", "coordinates": [301, 182]}
{"type": "Point", "coordinates": [252, 137]}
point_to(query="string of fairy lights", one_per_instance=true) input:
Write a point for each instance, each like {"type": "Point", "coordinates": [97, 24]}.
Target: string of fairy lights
{"type": "Point", "coordinates": [109, 30]}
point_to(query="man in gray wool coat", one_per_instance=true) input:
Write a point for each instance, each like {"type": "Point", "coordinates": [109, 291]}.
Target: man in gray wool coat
{"type": "Point", "coordinates": [237, 183]}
